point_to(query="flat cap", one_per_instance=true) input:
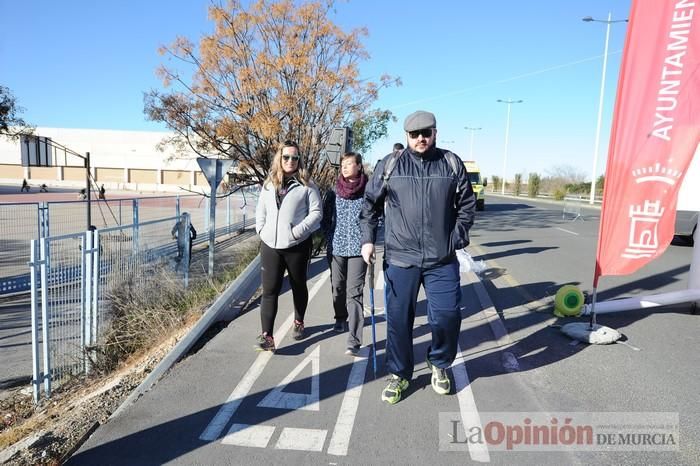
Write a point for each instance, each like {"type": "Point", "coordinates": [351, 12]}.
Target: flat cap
{"type": "Point", "coordinates": [419, 120]}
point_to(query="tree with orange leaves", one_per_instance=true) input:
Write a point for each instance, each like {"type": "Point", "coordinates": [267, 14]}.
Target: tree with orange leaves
{"type": "Point", "coordinates": [273, 71]}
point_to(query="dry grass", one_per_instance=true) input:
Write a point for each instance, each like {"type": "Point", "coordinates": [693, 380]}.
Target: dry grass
{"type": "Point", "coordinates": [143, 312]}
{"type": "Point", "coordinates": [14, 411]}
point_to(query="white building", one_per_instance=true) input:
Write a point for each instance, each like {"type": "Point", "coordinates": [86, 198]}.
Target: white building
{"type": "Point", "coordinates": [128, 160]}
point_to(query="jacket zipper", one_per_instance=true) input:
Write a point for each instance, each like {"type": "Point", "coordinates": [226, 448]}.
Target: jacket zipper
{"type": "Point", "coordinates": [422, 211]}
{"type": "Point", "coordinates": [277, 218]}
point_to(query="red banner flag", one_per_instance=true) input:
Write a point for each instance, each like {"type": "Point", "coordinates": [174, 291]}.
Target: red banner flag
{"type": "Point", "coordinates": [655, 132]}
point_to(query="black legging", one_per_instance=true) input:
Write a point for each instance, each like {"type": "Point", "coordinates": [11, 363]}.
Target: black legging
{"type": "Point", "coordinates": [274, 262]}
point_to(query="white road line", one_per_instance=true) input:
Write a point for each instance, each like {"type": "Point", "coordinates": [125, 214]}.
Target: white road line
{"type": "Point", "coordinates": [226, 412]}
{"type": "Point", "coordinates": [245, 435]}
{"type": "Point", "coordinates": [280, 399]}
{"type": "Point", "coordinates": [340, 440]}
{"type": "Point", "coordinates": [379, 277]}
{"type": "Point", "coordinates": [294, 438]}
{"type": "Point", "coordinates": [467, 406]}
{"type": "Point", "coordinates": [567, 231]}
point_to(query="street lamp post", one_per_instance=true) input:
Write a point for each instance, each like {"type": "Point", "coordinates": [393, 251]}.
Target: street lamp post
{"type": "Point", "coordinates": [508, 102]}
{"type": "Point", "coordinates": [608, 22]}
{"type": "Point", "coordinates": [471, 141]}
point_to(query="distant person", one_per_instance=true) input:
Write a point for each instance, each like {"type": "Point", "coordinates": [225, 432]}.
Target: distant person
{"type": "Point", "coordinates": [101, 192]}
{"type": "Point", "coordinates": [179, 232]}
{"type": "Point", "coordinates": [25, 186]}
{"type": "Point", "coordinates": [429, 206]}
{"type": "Point", "coordinates": [82, 195]}
{"type": "Point", "coordinates": [287, 213]}
{"type": "Point", "coordinates": [341, 226]}
{"type": "Point", "coordinates": [398, 146]}
{"type": "Point", "coordinates": [43, 188]}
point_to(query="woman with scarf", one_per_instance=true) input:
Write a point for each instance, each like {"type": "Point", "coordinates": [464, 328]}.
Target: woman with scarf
{"type": "Point", "coordinates": [287, 213]}
{"type": "Point", "coordinates": [341, 225]}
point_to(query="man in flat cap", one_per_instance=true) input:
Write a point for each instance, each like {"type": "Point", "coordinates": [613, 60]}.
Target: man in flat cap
{"type": "Point", "coordinates": [428, 206]}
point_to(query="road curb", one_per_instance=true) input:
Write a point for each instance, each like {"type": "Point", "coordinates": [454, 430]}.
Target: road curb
{"type": "Point", "coordinates": [508, 359]}
{"type": "Point", "coordinates": [228, 305]}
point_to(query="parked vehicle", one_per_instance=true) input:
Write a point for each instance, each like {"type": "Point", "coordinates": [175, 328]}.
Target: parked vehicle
{"type": "Point", "coordinates": [478, 183]}
{"type": "Point", "coordinates": [689, 200]}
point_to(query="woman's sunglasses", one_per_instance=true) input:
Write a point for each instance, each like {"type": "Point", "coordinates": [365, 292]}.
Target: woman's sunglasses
{"type": "Point", "coordinates": [294, 158]}
{"type": "Point", "coordinates": [426, 133]}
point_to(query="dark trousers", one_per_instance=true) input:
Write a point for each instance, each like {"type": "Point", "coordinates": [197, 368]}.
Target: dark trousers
{"type": "Point", "coordinates": [348, 281]}
{"type": "Point", "coordinates": [181, 252]}
{"type": "Point", "coordinates": [441, 284]}
{"type": "Point", "coordinates": [274, 262]}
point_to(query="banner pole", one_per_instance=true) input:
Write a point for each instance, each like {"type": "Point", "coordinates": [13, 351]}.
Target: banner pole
{"type": "Point", "coordinates": [592, 321]}
{"type": "Point", "coordinates": [694, 272]}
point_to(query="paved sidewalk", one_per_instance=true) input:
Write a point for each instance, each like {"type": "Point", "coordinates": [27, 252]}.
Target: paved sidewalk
{"type": "Point", "coordinates": [309, 403]}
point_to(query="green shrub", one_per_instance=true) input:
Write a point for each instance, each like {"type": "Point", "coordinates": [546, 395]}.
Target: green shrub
{"type": "Point", "coordinates": [533, 185]}
{"type": "Point", "coordinates": [518, 184]}
{"type": "Point", "coordinates": [559, 194]}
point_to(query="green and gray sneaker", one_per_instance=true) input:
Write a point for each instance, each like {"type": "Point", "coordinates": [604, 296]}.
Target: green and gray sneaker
{"type": "Point", "coordinates": [439, 380]}
{"type": "Point", "coordinates": [392, 392]}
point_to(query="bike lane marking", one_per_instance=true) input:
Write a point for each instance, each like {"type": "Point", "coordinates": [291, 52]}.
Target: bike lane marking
{"type": "Point", "coordinates": [233, 402]}
{"type": "Point", "coordinates": [340, 440]}
{"type": "Point", "coordinates": [292, 438]}
{"type": "Point", "coordinates": [277, 398]}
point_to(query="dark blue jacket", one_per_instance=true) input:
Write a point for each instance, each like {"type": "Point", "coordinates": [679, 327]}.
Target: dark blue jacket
{"type": "Point", "coordinates": [426, 217]}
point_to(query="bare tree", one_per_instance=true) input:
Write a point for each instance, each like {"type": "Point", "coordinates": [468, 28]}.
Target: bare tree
{"type": "Point", "coordinates": [275, 70]}
{"type": "Point", "coordinates": [566, 174]}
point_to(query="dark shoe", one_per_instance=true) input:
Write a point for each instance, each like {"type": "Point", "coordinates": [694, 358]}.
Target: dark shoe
{"type": "Point", "coordinates": [352, 351]}
{"type": "Point", "coordinates": [339, 326]}
{"type": "Point", "coordinates": [265, 343]}
{"type": "Point", "coordinates": [439, 379]}
{"type": "Point", "coordinates": [392, 392]}
{"type": "Point", "coordinates": [298, 332]}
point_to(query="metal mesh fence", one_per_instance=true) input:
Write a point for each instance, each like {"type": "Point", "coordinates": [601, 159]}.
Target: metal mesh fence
{"type": "Point", "coordinates": [152, 208]}
{"type": "Point", "coordinates": [19, 223]}
{"type": "Point", "coordinates": [80, 281]}
{"type": "Point", "coordinates": [132, 258]}
{"type": "Point", "coordinates": [62, 282]}
{"type": "Point", "coordinates": [70, 216]}
{"type": "Point", "coordinates": [196, 206]}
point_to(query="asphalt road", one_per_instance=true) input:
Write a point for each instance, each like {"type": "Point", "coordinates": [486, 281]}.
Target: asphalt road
{"type": "Point", "coordinates": [15, 342]}
{"type": "Point", "coordinates": [311, 404]}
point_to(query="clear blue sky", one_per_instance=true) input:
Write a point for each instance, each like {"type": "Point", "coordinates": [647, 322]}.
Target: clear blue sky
{"type": "Point", "coordinates": [86, 64]}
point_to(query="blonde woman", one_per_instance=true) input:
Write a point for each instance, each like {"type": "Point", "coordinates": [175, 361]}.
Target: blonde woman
{"type": "Point", "coordinates": [288, 212]}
